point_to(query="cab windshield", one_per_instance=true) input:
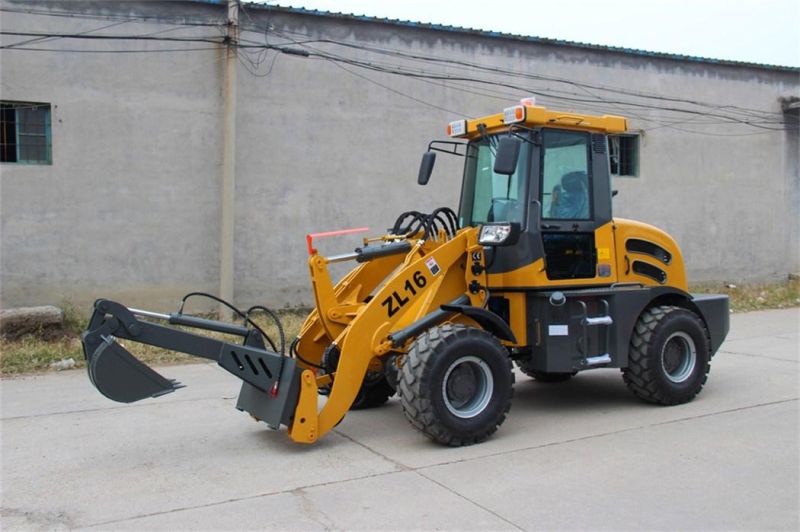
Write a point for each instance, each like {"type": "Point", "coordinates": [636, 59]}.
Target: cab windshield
{"type": "Point", "coordinates": [487, 196]}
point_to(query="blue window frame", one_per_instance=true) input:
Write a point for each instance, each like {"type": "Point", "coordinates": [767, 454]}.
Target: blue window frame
{"type": "Point", "coordinates": [25, 133]}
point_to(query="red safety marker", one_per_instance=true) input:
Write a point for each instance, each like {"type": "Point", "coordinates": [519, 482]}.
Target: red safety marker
{"type": "Point", "coordinates": [310, 237]}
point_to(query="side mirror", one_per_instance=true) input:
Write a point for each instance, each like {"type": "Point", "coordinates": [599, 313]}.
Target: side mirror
{"type": "Point", "coordinates": [505, 162]}
{"type": "Point", "coordinates": [426, 167]}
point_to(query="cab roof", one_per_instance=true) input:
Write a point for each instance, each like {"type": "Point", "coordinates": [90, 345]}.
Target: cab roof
{"type": "Point", "coordinates": [536, 116]}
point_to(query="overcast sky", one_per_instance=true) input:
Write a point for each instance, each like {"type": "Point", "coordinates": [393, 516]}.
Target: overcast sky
{"type": "Point", "coordinates": [760, 31]}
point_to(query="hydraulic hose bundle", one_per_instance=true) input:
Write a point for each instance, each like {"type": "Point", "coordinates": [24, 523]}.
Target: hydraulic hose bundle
{"type": "Point", "coordinates": [178, 317]}
{"type": "Point", "coordinates": [412, 222]}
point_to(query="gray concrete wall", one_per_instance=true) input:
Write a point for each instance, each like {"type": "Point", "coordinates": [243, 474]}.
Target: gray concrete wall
{"type": "Point", "coordinates": [130, 207]}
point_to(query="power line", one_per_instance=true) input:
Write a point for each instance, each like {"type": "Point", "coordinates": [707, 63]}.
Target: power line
{"type": "Point", "coordinates": [464, 76]}
{"type": "Point", "coordinates": [395, 69]}
{"type": "Point", "coordinates": [423, 74]}
{"type": "Point", "coordinates": [80, 36]}
{"type": "Point", "coordinates": [125, 18]}
{"type": "Point", "coordinates": [759, 117]}
{"type": "Point", "coordinates": [754, 113]}
{"type": "Point", "coordinates": [395, 91]}
{"type": "Point", "coordinates": [141, 51]}
{"type": "Point", "coordinates": [508, 72]}
{"type": "Point", "coordinates": [48, 39]}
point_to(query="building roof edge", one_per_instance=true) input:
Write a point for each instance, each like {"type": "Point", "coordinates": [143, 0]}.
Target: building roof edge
{"type": "Point", "coordinates": [515, 37]}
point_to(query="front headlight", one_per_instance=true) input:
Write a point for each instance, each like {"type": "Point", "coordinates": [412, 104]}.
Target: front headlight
{"type": "Point", "coordinates": [495, 234]}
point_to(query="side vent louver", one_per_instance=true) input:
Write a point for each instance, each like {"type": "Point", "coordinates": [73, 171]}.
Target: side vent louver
{"type": "Point", "coordinates": [648, 270]}
{"type": "Point", "coordinates": [599, 143]}
{"type": "Point", "coordinates": [635, 245]}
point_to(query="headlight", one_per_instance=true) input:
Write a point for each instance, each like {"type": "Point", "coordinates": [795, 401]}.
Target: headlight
{"type": "Point", "coordinates": [494, 234]}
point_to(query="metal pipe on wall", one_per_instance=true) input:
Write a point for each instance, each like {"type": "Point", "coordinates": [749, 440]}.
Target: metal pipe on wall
{"type": "Point", "coordinates": [228, 159]}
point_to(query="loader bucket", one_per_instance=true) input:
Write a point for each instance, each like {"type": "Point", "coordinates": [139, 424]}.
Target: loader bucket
{"type": "Point", "coordinates": [118, 375]}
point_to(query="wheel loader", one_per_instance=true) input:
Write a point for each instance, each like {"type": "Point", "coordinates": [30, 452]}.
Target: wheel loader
{"type": "Point", "coordinates": [532, 269]}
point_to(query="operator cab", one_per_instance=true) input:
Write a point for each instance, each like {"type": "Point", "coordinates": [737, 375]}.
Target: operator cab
{"type": "Point", "coordinates": [559, 193]}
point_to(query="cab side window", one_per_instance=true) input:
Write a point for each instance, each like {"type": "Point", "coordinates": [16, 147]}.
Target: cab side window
{"type": "Point", "coordinates": [565, 176]}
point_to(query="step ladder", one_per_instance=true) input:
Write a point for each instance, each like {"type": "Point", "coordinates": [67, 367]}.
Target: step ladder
{"type": "Point", "coordinates": [603, 320]}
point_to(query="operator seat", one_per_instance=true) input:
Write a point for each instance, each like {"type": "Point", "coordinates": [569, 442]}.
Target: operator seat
{"type": "Point", "coordinates": [504, 210]}
{"type": "Point", "coordinates": [571, 197]}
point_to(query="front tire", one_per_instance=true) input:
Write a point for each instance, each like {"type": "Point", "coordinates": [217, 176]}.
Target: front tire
{"type": "Point", "coordinates": [668, 362]}
{"type": "Point", "coordinates": [456, 384]}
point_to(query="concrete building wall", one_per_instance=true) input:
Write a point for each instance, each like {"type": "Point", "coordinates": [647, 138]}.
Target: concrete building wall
{"type": "Point", "coordinates": [130, 207]}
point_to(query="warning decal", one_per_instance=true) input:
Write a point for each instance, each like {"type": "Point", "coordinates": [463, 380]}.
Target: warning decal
{"type": "Point", "coordinates": [433, 266]}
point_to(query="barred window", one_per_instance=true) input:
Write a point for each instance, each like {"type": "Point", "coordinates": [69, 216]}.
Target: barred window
{"type": "Point", "coordinates": [25, 133]}
{"type": "Point", "coordinates": [624, 155]}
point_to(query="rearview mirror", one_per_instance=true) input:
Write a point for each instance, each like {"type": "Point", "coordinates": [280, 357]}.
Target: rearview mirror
{"type": "Point", "coordinates": [426, 167]}
{"type": "Point", "coordinates": [505, 162]}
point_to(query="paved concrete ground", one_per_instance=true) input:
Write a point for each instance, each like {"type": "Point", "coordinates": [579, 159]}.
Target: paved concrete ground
{"type": "Point", "coordinates": [581, 455]}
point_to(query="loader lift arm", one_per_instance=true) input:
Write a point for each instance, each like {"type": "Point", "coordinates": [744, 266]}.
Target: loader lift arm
{"type": "Point", "coordinates": [118, 375]}
{"type": "Point", "coordinates": [433, 273]}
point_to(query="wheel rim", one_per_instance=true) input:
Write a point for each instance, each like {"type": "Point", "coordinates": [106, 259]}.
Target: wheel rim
{"type": "Point", "coordinates": [467, 387]}
{"type": "Point", "coordinates": [678, 357]}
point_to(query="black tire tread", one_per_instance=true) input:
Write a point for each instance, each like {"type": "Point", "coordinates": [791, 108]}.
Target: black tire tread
{"type": "Point", "coordinates": [373, 395]}
{"type": "Point", "coordinates": [640, 375]}
{"type": "Point", "coordinates": [370, 394]}
{"type": "Point", "coordinates": [417, 408]}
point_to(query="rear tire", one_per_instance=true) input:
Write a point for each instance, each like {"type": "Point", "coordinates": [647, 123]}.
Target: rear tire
{"type": "Point", "coordinates": [373, 394]}
{"type": "Point", "coordinates": [668, 362]}
{"type": "Point", "coordinates": [374, 391]}
{"type": "Point", "coordinates": [456, 384]}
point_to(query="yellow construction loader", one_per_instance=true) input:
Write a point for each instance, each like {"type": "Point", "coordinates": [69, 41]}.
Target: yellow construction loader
{"type": "Point", "coordinates": [531, 269]}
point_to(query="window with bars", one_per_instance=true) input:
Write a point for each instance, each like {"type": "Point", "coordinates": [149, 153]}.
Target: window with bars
{"type": "Point", "coordinates": [25, 133]}
{"type": "Point", "coordinates": [624, 155]}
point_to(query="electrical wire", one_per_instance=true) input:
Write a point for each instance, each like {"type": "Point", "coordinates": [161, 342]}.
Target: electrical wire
{"type": "Point", "coordinates": [515, 73]}
{"type": "Point", "coordinates": [261, 56]}
{"type": "Point", "coordinates": [265, 29]}
{"type": "Point", "coordinates": [142, 51]}
{"type": "Point", "coordinates": [457, 75]}
{"type": "Point", "coordinates": [395, 91]}
{"type": "Point", "coordinates": [48, 39]}
{"type": "Point", "coordinates": [83, 36]}
{"type": "Point", "coordinates": [312, 52]}
{"type": "Point", "coordinates": [419, 74]}
{"type": "Point", "coordinates": [763, 116]}
{"type": "Point", "coordinates": [124, 18]}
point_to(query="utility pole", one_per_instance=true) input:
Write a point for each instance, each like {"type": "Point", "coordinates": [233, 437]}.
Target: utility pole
{"type": "Point", "coordinates": [228, 159]}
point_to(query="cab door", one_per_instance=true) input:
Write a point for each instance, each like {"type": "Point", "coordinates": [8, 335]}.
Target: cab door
{"type": "Point", "coordinates": [575, 197]}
